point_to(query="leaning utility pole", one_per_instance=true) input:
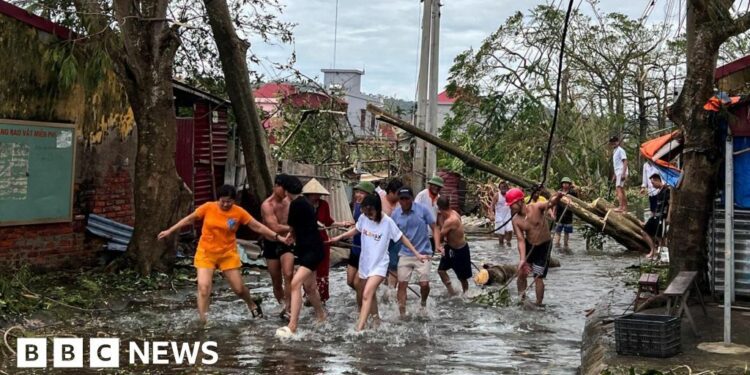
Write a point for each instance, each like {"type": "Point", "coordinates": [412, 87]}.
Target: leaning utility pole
{"type": "Point", "coordinates": [432, 119]}
{"type": "Point", "coordinates": [421, 119]}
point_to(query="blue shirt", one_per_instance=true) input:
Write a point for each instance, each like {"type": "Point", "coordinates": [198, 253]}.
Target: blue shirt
{"type": "Point", "coordinates": [415, 225]}
{"type": "Point", "coordinates": [357, 240]}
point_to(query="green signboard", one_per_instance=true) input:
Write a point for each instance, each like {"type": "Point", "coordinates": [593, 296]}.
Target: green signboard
{"type": "Point", "coordinates": [37, 164]}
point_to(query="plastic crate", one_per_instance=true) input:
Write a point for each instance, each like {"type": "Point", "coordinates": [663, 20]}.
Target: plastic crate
{"type": "Point", "coordinates": [648, 335]}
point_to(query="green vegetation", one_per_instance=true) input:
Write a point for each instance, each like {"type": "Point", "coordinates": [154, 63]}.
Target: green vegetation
{"type": "Point", "coordinates": [92, 290]}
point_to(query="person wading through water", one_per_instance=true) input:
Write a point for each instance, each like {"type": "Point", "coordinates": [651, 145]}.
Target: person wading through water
{"type": "Point", "coordinates": [279, 256]}
{"type": "Point", "coordinates": [534, 239]}
{"type": "Point", "coordinates": [415, 221]}
{"type": "Point", "coordinates": [502, 215]}
{"type": "Point", "coordinates": [217, 247]}
{"type": "Point", "coordinates": [389, 202]}
{"type": "Point", "coordinates": [361, 190]}
{"type": "Point", "coordinates": [308, 249]}
{"type": "Point", "coordinates": [377, 232]}
{"type": "Point", "coordinates": [456, 254]}
{"type": "Point", "coordinates": [313, 191]}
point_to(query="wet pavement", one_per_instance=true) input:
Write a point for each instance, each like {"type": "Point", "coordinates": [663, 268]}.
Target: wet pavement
{"type": "Point", "coordinates": [455, 336]}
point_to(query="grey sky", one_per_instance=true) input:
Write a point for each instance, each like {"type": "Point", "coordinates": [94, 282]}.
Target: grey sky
{"type": "Point", "coordinates": [381, 37]}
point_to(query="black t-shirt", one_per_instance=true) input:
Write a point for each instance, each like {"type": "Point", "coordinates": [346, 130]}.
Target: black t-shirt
{"type": "Point", "coordinates": [305, 225]}
{"type": "Point", "coordinates": [568, 217]}
{"type": "Point", "coordinates": [662, 203]}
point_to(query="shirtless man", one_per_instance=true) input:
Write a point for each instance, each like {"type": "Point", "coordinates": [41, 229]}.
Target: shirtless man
{"type": "Point", "coordinates": [279, 257]}
{"type": "Point", "coordinates": [534, 239]}
{"type": "Point", "coordinates": [456, 254]}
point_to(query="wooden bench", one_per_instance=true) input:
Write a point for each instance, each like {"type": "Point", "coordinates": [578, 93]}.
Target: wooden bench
{"type": "Point", "coordinates": [648, 283]}
{"type": "Point", "coordinates": [679, 289]}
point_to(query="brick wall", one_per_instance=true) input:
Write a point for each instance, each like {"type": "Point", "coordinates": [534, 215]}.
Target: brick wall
{"type": "Point", "coordinates": [44, 245]}
{"type": "Point", "coordinates": [58, 245]}
{"type": "Point", "coordinates": [113, 199]}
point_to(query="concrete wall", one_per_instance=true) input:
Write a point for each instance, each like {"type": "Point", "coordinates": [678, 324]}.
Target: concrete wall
{"type": "Point", "coordinates": [105, 143]}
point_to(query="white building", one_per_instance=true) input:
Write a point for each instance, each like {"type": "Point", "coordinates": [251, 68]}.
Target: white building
{"type": "Point", "coordinates": [444, 105]}
{"type": "Point", "coordinates": [348, 83]}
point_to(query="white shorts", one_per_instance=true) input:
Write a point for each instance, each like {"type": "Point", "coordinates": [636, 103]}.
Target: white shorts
{"type": "Point", "coordinates": [408, 264]}
{"type": "Point", "coordinates": [619, 180]}
{"type": "Point", "coordinates": [507, 228]}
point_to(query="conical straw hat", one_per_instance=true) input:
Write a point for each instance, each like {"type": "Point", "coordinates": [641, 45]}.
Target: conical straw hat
{"type": "Point", "coordinates": [314, 187]}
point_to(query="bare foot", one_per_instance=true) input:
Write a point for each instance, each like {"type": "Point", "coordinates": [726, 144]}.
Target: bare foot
{"type": "Point", "coordinates": [322, 318]}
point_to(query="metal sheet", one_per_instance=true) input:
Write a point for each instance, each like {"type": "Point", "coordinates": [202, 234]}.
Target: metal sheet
{"type": "Point", "coordinates": [741, 252]}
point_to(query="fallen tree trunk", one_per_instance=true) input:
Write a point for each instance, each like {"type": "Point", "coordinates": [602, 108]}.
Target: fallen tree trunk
{"type": "Point", "coordinates": [617, 225]}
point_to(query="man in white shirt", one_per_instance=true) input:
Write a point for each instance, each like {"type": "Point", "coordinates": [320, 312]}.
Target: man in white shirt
{"type": "Point", "coordinates": [646, 185]}
{"type": "Point", "coordinates": [428, 197]}
{"type": "Point", "coordinates": [620, 163]}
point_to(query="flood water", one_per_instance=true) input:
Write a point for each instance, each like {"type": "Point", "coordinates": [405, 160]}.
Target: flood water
{"type": "Point", "coordinates": [455, 337]}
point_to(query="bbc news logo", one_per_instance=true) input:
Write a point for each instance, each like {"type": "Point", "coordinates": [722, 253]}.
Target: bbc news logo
{"type": "Point", "coordinates": [105, 353]}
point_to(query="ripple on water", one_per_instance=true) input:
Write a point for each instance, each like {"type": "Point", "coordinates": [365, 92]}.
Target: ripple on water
{"type": "Point", "coordinates": [455, 336]}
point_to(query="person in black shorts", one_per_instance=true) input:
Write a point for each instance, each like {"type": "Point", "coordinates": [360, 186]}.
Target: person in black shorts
{"type": "Point", "coordinates": [456, 254]}
{"type": "Point", "coordinates": [534, 239]}
{"type": "Point", "coordinates": [309, 252]}
{"type": "Point", "coordinates": [656, 225]}
{"type": "Point", "coordinates": [279, 256]}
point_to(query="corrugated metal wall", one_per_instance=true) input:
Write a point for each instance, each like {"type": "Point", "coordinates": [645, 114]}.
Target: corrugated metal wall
{"type": "Point", "coordinates": [184, 151]}
{"type": "Point", "coordinates": [741, 252]}
{"type": "Point", "coordinates": [210, 151]}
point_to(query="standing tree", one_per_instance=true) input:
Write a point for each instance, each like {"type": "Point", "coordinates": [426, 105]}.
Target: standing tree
{"type": "Point", "coordinates": [142, 52]}
{"type": "Point", "coordinates": [708, 27]}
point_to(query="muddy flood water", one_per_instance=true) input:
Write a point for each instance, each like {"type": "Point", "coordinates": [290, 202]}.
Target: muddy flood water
{"type": "Point", "coordinates": [454, 337]}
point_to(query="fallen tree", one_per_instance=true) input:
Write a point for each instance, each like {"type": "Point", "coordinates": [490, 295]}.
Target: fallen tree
{"type": "Point", "coordinates": [622, 227]}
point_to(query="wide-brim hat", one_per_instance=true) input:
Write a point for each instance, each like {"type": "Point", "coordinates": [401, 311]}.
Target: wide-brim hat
{"type": "Point", "coordinates": [436, 180]}
{"type": "Point", "coordinates": [566, 179]}
{"type": "Point", "coordinates": [314, 187]}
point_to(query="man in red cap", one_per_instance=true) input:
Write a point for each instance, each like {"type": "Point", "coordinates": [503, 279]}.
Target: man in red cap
{"type": "Point", "coordinates": [534, 239]}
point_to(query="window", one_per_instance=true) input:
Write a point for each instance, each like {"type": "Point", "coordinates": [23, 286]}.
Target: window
{"type": "Point", "coordinates": [362, 118]}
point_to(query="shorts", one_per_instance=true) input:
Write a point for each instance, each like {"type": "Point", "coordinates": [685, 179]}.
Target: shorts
{"type": "Point", "coordinates": [310, 259]}
{"type": "Point", "coordinates": [393, 249]}
{"type": "Point", "coordinates": [408, 264]}
{"type": "Point", "coordinates": [459, 260]}
{"type": "Point", "coordinates": [538, 257]}
{"type": "Point", "coordinates": [567, 228]}
{"type": "Point", "coordinates": [654, 227]}
{"type": "Point", "coordinates": [226, 260]}
{"type": "Point", "coordinates": [353, 260]}
{"type": "Point", "coordinates": [619, 180]}
{"type": "Point", "coordinates": [273, 250]}
{"type": "Point", "coordinates": [652, 203]}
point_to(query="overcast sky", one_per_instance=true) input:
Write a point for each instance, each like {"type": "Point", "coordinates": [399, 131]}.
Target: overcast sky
{"type": "Point", "coordinates": [381, 36]}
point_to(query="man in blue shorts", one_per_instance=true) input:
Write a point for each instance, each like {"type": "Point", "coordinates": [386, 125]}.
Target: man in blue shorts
{"type": "Point", "coordinates": [563, 217]}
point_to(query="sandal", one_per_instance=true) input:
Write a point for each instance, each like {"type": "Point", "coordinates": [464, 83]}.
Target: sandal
{"type": "Point", "coordinates": [256, 312]}
{"type": "Point", "coordinates": [284, 332]}
{"type": "Point", "coordinates": [285, 316]}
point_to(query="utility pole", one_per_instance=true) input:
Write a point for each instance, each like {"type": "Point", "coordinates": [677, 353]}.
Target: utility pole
{"type": "Point", "coordinates": [424, 55]}
{"type": "Point", "coordinates": [432, 120]}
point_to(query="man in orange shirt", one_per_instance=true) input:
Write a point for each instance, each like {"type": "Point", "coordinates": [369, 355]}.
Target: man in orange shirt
{"type": "Point", "coordinates": [217, 246]}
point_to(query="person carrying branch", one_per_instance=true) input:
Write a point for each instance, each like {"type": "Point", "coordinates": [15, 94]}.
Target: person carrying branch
{"type": "Point", "coordinates": [534, 239]}
{"type": "Point", "coordinates": [217, 247]}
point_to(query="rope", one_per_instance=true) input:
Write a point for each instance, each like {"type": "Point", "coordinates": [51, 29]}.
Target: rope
{"type": "Point", "coordinates": [557, 94]}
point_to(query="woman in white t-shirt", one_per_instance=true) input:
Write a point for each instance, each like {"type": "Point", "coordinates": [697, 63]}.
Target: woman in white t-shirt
{"type": "Point", "coordinates": [377, 230]}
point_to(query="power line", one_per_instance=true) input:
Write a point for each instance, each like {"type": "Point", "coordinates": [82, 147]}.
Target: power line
{"type": "Point", "coordinates": [557, 93]}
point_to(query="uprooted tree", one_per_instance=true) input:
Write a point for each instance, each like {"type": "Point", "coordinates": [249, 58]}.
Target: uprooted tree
{"type": "Point", "coordinates": [622, 227]}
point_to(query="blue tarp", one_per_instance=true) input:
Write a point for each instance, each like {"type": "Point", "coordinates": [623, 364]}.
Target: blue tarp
{"type": "Point", "coordinates": [742, 172]}
{"type": "Point", "coordinates": [669, 175]}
